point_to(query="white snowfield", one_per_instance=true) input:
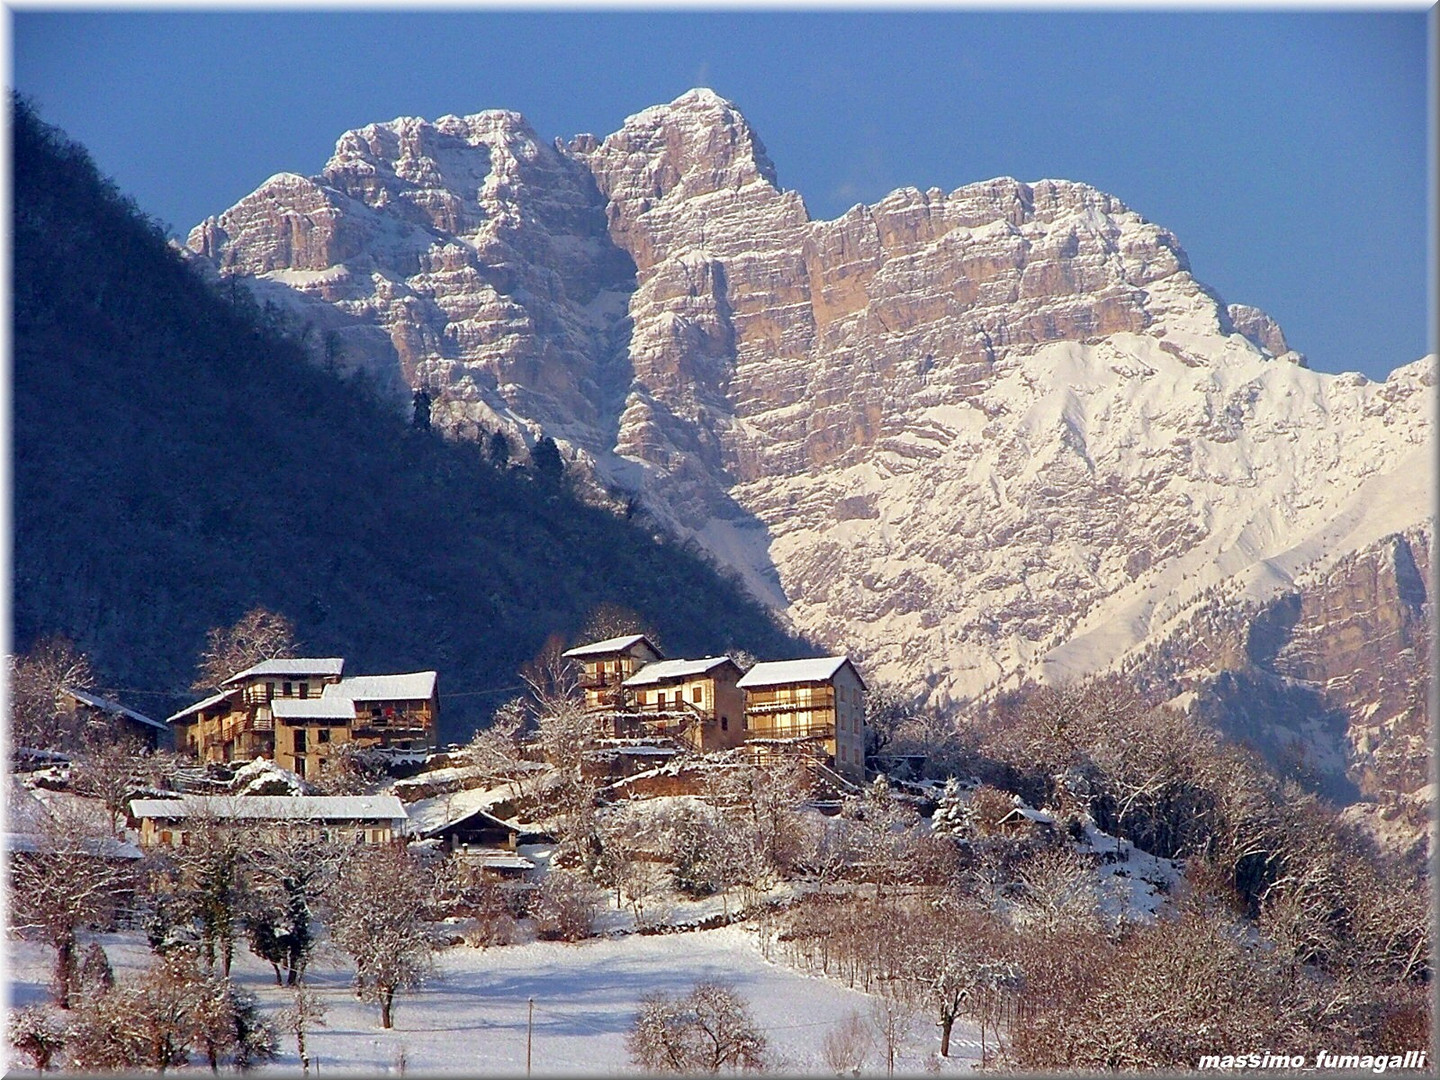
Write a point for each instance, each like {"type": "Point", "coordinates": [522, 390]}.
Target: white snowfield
{"type": "Point", "coordinates": [471, 1018]}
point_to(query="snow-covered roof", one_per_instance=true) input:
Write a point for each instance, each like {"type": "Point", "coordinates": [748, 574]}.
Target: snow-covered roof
{"type": "Point", "coordinates": [611, 645]}
{"type": "Point", "coordinates": [478, 813]}
{"type": "Point", "coordinates": [411, 686]}
{"type": "Point", "coordinates": [213, 699]}
{"type": "Point", "coordinates": [273, 807]}
{"type": "Point", "coordinates": [781, 672]}
{"type": "Point", "coordinates": [106, 705]}
{"type": "Point", "coordinates": [433, 813]}
{"type": "Point", "coordinates": [498, 859]}
{"type": "Point", "coordinates": [99, 847]}
{"type": "Point", "coordinates": [662, 670]}
{"type": "Point", "coordinates": [326, 707]}
{"type": "Point", "coordinates": [291, 666]}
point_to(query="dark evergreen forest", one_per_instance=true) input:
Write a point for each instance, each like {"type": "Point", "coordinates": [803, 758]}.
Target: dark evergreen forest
{"type": "Point", "coordinates": [178, 460]}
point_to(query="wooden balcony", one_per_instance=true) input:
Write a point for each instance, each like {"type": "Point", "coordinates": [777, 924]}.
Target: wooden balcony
{"type": "Point", "coordinates": [763, 704]}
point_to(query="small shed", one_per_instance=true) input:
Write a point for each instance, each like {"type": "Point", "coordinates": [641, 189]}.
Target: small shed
{"type": "Point", "coordinates": [477, 829]}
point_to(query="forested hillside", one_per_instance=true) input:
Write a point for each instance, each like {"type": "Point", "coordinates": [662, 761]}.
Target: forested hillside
{"type": "Point", "coordinates": [177, 461]}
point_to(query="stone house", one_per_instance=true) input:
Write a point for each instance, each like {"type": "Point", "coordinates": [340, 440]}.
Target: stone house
{"type": "Point", "coordinates": [358, 819]}
{"type": "Point", "coordinates": [152, 734]}
{"type": "Point", "coordinates": [697, 702]}
{"type": "Point", "coordinates": [297, 711]}
{"type": "Point", "coordinates": [607, 664]}
{"type": "Point", "coordinates": [815, 706]}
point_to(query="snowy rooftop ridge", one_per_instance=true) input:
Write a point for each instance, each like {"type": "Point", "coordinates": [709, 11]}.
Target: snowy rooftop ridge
{"type": "Point", "coordinates": [297, 665]}
{"type": "Point", "coordinates": [661, 670]}
{"type": "Point", "coordinates": [780, 672]}
{"type": "Point", "coordinates": [610, 645]}
{"type": "Point", "coordinates": [213, 699]}
{"type": "Point", "coordinates": [408, 686]}
{"type": "Point", "coordinates": [273, 807]}
{"type": "Point", "coordinates": [326, 707]}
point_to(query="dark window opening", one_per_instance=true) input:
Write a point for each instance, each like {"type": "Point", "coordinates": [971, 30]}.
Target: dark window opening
{"type": "Point", "coordinates": [304, 689]}
{"type": "Point", "coordinates": [324, 734]}
{"type": "Point", "coordinates": [285, 689]}
{"type": "Point", "coordinates": [724, 723]}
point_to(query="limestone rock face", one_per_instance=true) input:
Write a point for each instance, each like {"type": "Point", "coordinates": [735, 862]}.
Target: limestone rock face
{"type": "Point", "coordinates": [970, 436]}
{"type": "Point", "coordinates": [1328, 678]}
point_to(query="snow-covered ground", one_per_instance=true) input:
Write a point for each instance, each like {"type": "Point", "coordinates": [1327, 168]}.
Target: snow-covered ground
{"type": "Point", "coordinates": [471, 1017]}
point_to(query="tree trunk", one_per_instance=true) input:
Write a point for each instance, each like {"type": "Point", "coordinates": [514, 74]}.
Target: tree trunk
{"type": "Point", "coordinates": [387, 995]}
{"type": "Point", "coordinates": [64, 968]}
{"type": "Point", "coordinates": [946, 1023]}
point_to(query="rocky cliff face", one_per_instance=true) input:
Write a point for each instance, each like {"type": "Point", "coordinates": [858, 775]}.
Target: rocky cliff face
{"type": "Point", "coordinates": [967, 435]}
{"type": "Point", "coordinates": [1328, 679]}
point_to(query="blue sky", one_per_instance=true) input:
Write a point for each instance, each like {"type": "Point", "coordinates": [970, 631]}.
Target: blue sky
{"type": "Point", "coordinates": [1287, 151]}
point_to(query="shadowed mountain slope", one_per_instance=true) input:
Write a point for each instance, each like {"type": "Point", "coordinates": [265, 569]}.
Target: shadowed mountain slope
{"type": "Point", "coordinates": [176, 460]}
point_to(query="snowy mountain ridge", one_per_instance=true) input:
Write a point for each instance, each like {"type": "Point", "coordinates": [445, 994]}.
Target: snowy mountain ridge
{"type": "Point", "coordinates": [970, 436]}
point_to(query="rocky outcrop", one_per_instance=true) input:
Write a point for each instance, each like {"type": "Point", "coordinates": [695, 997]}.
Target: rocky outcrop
{"type": "Point", "coordinates": [967, 435]}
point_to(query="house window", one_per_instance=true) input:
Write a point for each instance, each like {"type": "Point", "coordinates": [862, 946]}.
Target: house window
{"type": "Point", "coordinates": [300, 740]}
{"type": "Point", "coordinates": [323, 735]}
{"type": "Point", "coordinates": [304, 689]}
{"type": "Point", "coordinates": [695, 695]}
{"type": "Point", "coordinates": [724, 723]}
{"type": "Point", "coordinates": [269, 690]}
{"type": "Point", "coordinates": [360, 837]}
{"type": "Point", "coordinates": [285, 689]}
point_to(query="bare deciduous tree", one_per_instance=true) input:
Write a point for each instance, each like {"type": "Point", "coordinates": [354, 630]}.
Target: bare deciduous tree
{"type": "Point", "coordinates": [553, 680]}
{"type": "Point", "coordinates": [72, 878]}
{"type": "Point", "coordinates": [704, 1031]}
{"type": "Point", "coordinates": [892, 1014]}
{"type": "Point", "coordinates": [498, 750]}
{"type": "Point", "coordinates": [566, 906]}
{"type": "Point", "coordinates": [257, 635]}
{"type": "Point", "coordinates": [612, 620]}
{"type": "Point", "coordinates": [306, 1012]}
{"type": "Point", "coordinates": [40, 1033]}
{"type": "Point", "coordinates": [210, 879]}
{"type": "Point", "coordinates": [377, 908]}
{"type": "Point", "coordinates": [111, 776]}
{"type": "Point", "coordinates": [37, 679]}
{"type": "Point", "coordinates": [849, 1044]}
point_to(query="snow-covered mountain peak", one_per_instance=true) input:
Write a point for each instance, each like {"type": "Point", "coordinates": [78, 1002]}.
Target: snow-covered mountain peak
{"type": "Point", "coordinates": [967, 435]}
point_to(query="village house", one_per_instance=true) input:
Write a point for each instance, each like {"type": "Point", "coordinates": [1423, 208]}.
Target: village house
{"type": "Point", "coordinates": [816, 705]}
{"type": "Point", "coordinates": [607, 664]}
{"type": "Point", "coordinates": [152, 734]}
{"type": "Point", "coordinates": [297, 711]}
{"type": "Point", "coordinates": [350, 819]}
{"type": "Point", "coordinates": [697, 702]}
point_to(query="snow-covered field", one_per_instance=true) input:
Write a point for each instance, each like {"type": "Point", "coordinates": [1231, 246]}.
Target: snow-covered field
{"type": "Point", "coordinates": [471, 1017]}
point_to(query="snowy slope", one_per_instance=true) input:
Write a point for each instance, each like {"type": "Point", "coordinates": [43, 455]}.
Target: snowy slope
{"type": "Point", "coordinates": [471, 1018]}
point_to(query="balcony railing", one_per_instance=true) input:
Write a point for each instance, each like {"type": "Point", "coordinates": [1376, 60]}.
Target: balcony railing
{"type": "Point", "coordinates": [759, 704]}
{"type": "Point", "coordinates": [813, 732]}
